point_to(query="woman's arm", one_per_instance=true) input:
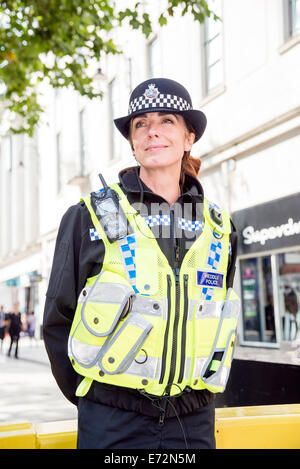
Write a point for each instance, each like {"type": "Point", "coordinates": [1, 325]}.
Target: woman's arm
{"type": "Point", "coordinates": [76, 258]}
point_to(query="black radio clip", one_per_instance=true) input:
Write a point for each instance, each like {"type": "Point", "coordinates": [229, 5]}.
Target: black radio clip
{"type": "Point", "coordinates": [111, 217]}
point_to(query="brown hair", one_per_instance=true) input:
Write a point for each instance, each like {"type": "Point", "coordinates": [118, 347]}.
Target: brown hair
{"type": "Point", "coordinates": [189, 164]}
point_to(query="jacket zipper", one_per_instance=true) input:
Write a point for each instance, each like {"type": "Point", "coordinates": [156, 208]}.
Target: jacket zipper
{"type": "Point", "coordinates": [177, 306]}
{"type": "Point", "coordinates": [176, 272]}
{"type": "Point", "coordinates": [165, 349]}
{"type": "Point", "coordinates": [174, 341]}
{"type": "Point", "coordinates": [184, 321]}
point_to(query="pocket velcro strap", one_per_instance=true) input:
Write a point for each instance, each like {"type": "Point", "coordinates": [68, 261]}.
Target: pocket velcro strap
{"type": "Point", "coordinates": [118, 352]}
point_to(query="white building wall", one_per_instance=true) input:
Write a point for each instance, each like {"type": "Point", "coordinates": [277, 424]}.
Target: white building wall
{"type": "Point", "coordinates": [249, 151]}
{"type": "Point", "coordinates": [255, 121]}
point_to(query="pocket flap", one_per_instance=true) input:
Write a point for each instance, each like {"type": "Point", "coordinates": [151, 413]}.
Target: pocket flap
{"type": "Point", "coordinates": [108, 300]}
{"type": "Point", "coordinates": [118, 353]}
{"type": "Point", "coordinates": [101, 318]}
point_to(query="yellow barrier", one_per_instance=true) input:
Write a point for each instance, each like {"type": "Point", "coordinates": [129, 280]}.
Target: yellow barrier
{"type": "Point", "coordinates": [261, 427]}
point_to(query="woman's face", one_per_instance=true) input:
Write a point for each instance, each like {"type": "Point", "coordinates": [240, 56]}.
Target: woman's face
{"type": "Point", "coordinates": [160, 139]}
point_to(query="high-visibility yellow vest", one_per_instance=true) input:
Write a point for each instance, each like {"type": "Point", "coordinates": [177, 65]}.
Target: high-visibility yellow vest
{"type": "Point", "coordinates": [135, 326]}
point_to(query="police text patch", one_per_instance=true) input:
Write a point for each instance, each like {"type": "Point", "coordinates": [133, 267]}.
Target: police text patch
{"type": "Point", "coordinates": [209, 279]}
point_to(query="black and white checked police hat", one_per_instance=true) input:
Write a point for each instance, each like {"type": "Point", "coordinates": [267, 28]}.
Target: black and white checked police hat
{"type": "Point", "coordinates": [162, 94]}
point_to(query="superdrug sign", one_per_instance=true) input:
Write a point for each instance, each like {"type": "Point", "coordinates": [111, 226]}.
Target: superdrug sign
{"type": "Point", "coordinates": [273, 225]}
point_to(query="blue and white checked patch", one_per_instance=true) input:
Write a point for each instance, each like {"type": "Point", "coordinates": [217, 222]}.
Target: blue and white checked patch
{"type": "Point", "coordinates": [127, 246]}
{"type": "Point", "coordinates": [213, 205]}
{"type": "Point", "coordinates": [213, 259]}
{"type": "Point", "coordinates": [189, 225]}
{"type": "Point", "coordinates": [94, 234]}
{"type": "Point", "coordinates": [156, 220]}
{"type": "Point", "coordinates": [214, 254]}
{"type": "Point", "coordinates": [165, 220]}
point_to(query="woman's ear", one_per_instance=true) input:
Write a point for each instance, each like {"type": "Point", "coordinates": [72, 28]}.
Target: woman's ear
{"type": "Point", "coordinates": [189, 141]}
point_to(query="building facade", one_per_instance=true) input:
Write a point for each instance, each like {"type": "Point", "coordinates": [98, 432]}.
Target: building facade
{"type": "Point", "coordinates": [244, 73]}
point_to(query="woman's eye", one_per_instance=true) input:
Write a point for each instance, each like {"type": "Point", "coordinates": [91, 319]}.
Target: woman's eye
{"type": "Point", "coordinates": [168, 120]}
{"type": "Point", "coordinates": [139, 124]}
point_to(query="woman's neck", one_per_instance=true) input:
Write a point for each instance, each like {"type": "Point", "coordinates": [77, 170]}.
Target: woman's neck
{"type": "Point", "coordinates": [163, 183]}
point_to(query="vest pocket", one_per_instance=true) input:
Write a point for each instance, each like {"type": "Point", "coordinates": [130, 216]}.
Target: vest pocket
{"type": "Point", "coordinates": [119, 350]}
{"type": "Point", "coordinates": [86, 355]}
{"type": "Point", "coordinates": [106, 304]}
{"type": "Point", "coordinates": [217, 373]}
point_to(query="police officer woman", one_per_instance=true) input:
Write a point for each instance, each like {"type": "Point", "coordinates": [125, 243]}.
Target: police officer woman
{"type": "Point", "coordinates": [139, 325]}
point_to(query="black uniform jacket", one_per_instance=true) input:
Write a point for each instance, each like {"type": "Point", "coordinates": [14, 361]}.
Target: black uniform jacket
{"type": "Point", "coordinates": [77, 257]}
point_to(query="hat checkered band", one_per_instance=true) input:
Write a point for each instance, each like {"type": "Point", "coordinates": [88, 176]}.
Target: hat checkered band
{"type": "Point", "coordinates": [162, 100]}
{"type": "Point", "coordinates": [213, 259]}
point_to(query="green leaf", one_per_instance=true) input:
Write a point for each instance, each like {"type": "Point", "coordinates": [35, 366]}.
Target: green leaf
{"type": "Point", "coordinates": [54, 40]}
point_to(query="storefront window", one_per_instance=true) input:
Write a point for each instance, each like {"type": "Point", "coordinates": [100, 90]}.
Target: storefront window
{"type": "Point", "coordinates": [289, 294]}
{"type": "Point", "coordinates": [257, 300]}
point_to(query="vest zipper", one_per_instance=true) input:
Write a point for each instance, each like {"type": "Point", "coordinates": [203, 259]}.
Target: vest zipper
{"type": "Point", "coordinates": [184, 321]}
{"type": "Point", "coordinates": [175, 242]}
{"type": "Point", "coordinates": [175, 332]}
{"type": "Point", "coordinates": [164, 355]}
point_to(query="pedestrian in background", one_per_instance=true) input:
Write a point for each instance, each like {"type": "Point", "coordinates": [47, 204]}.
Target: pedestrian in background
{"type": "Point", "coordinates": [31, 325]}
{"type": "Point", "coordinates": [14, 329]}
{"type": "Point", "coordinates": [2, 325]}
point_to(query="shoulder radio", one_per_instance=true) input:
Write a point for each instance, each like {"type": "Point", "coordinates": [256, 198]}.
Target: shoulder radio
{"type": "Point", "coordinates": [109, 212]}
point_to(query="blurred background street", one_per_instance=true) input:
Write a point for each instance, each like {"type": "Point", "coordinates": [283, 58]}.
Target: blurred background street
{"type": "Point", "coordinates": [242, 70]}
{"type": "Point", "coordinates": [28, 391]}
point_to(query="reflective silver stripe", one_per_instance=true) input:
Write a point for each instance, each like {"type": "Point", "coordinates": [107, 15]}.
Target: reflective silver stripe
{"type": "Point", "coordinates": [146, 305]}
{"type": "Point", "coordinates": [109, 293]}
{"type": "Point", "coordinates": [234, 309]}
{"type": "Point", "coordinates": [191, 307]}
{"type": "Point", "coordinates": [87, 356]}
{"type": "Point", "coordinates": [212, 309]}
{"type": "Point", "coordinates": [146, 369]}
{"type": "Point", "coordinates": [83, 295]}
{"type": "Point", "coordinates": [187, 368]}
{"type": "Point", "coordinates": [198, 366]}
{"type": "Point", "coordinates": [215, 309]}
{"type": "Point", "coordinates": [84, 354]}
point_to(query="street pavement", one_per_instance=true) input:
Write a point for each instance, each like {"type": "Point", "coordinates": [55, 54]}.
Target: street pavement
{"type": "Point", "coordinates": [28, 391]}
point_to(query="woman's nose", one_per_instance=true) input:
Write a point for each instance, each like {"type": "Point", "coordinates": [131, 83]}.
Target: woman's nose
{"type": "Point", "coordinates": [153, 129]}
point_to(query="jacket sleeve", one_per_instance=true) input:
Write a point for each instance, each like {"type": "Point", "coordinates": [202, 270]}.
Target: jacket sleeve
{"type": "Point", "coordinates": [76, 258]}
{"type": "Point", "coordinates": [232, 257]}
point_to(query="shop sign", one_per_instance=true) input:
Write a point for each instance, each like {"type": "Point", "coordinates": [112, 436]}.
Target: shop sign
{"type": "Point", "coordinates": [268, 226]}
{"type": "Point", "coordinates": [13, 282]}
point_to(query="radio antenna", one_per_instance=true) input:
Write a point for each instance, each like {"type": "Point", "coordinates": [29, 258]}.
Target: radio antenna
{"type": "Point", "coordinates": [102, 180]}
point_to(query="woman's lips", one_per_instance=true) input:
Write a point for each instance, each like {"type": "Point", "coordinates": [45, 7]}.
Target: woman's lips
{"type": "Point", "coordinates": [156, 147]}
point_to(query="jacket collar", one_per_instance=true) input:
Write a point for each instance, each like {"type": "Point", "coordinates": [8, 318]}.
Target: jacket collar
{"type": "Point", "coordinates": [130, 182]}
